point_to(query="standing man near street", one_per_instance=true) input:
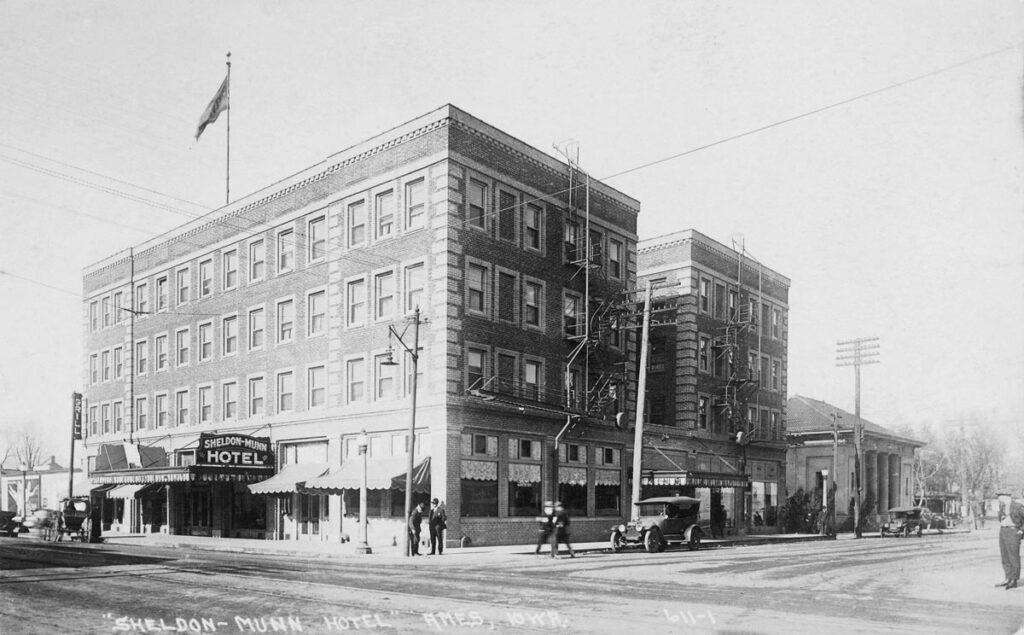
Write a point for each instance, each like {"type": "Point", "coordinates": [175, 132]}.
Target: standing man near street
{"type": "Point", "coordinates": [1011, 529]}
{"type": "Point", "coordinates": [436, 522]}
{"type": "Point", "coordinates": [415, 518]}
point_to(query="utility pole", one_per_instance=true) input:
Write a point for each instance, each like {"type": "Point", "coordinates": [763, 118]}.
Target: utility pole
{"type": "Point", "coordinates": [641, 393]}
{"type": "Point", "coordinates": [857, 352]}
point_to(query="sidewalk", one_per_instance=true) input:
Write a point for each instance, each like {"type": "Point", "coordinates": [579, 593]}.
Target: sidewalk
{"type": "Point", "coordinates": [304, 549]}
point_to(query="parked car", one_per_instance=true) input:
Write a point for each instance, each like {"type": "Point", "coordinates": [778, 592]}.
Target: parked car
{"type": "Point", "coordinates": [661, 520]}
{"type": "Point", "coordinates": [904, 521]}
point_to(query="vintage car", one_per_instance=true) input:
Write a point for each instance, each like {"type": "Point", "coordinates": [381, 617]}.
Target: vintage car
{"type": "Point", "coordinates": [904, 521]}
{"type": "Point", "coordinates": [661, 520]}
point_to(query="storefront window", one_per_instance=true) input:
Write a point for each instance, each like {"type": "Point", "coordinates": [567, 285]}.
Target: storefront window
{"type": "Point", "coordinates": [374, 503]}
{"type": "Point", "coordinates": [248, 511]}
{"type": "Point", "coordinates": [523, 499]}
{"type": "Point", "coordinates": [764, 502]}
{"type": "Point", "coordinates": [574, 498]}
{"type": "Point", "coordinates": [479, 497]}
{"type": "Point", "coordinates": [607, 499]}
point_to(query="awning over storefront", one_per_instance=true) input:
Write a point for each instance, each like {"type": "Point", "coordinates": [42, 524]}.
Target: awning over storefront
{"type": "Point", "coordinates": [694, 479]}
{"type": "Point", "coordinates": [380, 474]}
{"type": "Point", "coordinates": [125, 491]}
{"type": "Point", "coordinates": [182, 474]}
{"type": "Point", "coordinates": [289, 479]}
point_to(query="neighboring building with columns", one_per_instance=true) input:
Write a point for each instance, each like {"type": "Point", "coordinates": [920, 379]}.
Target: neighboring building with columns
{"type": "Point", "coordinates": [717, 367]}
{"type": "Point", "coordinates": [231, 364]}
{"type": "Point", "coordinates": [888, 458]}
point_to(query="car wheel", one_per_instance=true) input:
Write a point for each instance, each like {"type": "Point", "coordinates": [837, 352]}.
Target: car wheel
{"type": "Point", "coordinates": [653, 542]}
{"type": "Point", "coordinates": [617, 542]}
{"type": "Point", "coordinates": [694, 542]}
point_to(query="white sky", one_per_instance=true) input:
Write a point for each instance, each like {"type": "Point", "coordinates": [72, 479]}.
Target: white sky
{"type": "Point", "coordinates": [898, 215]}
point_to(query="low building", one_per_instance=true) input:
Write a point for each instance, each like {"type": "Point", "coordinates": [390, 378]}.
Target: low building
{"type": "Point", "coordinates": [40, 487]}
{"type": "Point", "coordinates": [817, 429]}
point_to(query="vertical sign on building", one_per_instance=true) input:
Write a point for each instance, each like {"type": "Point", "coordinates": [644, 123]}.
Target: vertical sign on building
{"type": "Point", "coordinates": [76, 416]}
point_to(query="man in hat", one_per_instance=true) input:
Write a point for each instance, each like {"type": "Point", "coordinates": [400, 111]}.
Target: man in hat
{"type": "Point", "coordinates": [1011, 529]}
{"type": "Point", "coordinates": [437, 522]}
{"type": "Point", "coordinates": [545, 525]}
{"type": "Point", "coordinates": [415, 518]}
{"type": "Point", "coordinates": [561, 531]}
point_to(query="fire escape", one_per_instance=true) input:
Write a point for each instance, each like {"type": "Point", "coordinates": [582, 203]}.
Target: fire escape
{"type": "Point", "coordinates": [732, 354]}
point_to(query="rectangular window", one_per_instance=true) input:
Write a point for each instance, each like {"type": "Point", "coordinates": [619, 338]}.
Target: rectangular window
{"type": "Point", "coordinates": [94, 419]}
{"type": "Point", "coordinates": [532, 226]}
{"type": "Point", "coordinates": [316, 313]}
{"type": "Point", "coordinates": [705, 295]}
{"type": "Point", "coordinates": [162, 415]}
{"type": "Point", "coordinates": [105, 364]}
{"type": "Point", "coordinates": [702, 412]}
{"type": "Point", "coordinates": [181, 404]}
{"type": "Point", "coordinates": [141, 413]}
{"type": "Point", "coordinates": [476, 196]}
{"type": "Point", "coordinates": [285, 251]}
{"type": "Point", "coordinates": [765, 369]}
{"type": "Point", "coordinates": [118, 416]}
{"type": "Point", "coordinates": [572, 240]}
{"type": "Point", "coordinates": [257, 326]}
{"type": "Point", "coordinates": [776, 324]}
{"type": "Point", "coordinates": [229, 335]}
{"type": "Point", "coordinates": [184, 290]}
{"type": "Point", "coordinates": [506, 216]}
{"type": "Point", "coordinates": [506, 296]}
{"type": "Point", "coordinates": [733, 305]}
{"type": "Point", "coordinates": [356, 373]}
{"type": "Point", "coordinates": [117, 307]}
{"type": "Point", "coordinates": [229, 392]}
{"type": "Point", "coordinates": [384, 292]}
{"type": "Point", "coordinates": [205, 342]}
{"type": "Point", "coordinates": [614, 258]}
{"type": "Point", "coordinates": [776, 374]}
{"type": "Point", "coordinates": [181, 346]}
{"type": "Point", "coordinates": [765, 319]}
{"type": "Point", "coordinates": [532, 293]}
{"type": "Point", "coordinates": [205, 278]}
{"type": "Point", "coordinates": [142, 298]}
{"type": "Point", "coordinates": [752, 365]}
{"type": "Point", "coordinates": [476, 363]}
{"type": "Point", "coordinates": [118, 362]}
{"type": "Point", "coordinates": [285, 391]}
{"type": "Point", "coordinates": [257, 260]}
{"type": "Point", "coordinates": [161, 294]}
{"type": "Point", "coordinates": [384, 378]}
{"type": "Point", "coordinates": [524, 496]}
{"type": "Point", "coordinates": [719, 300]}
{"type": "Point", "coordinates": [479, 497]}
{"type": "Point", "coordinates": [357, 224]}
{"type": "Point", "coordinates": [257, 393]}
{"type": "Point", "coordinates": [94, 316]}
{"type": "Point", "coordinates": [230, 261]}
{"type": "Point", "coordinates": [161, 352]}
{"type": "Point", "coordinates": [142, 357]}
{"type": "Point", "coordinates": [704, 352]}
{"type": "Point", "coordinates": [415, 283]}
{"type": "Point", "coordinates": [356, 302]}
{"type": "Point", "coordinates": [316, 236]}
{"type": "Point", "coordinates": [416, 204]}
{"type": "Point", "coordinates": [476, 287]}
{"type": "Point", "coordinates": [205, 404]}
{"type": "Point", "coordinates": [506, 380]}
{"type": "Point", "coordinates": [105, 413]}
{"type": "Point", "coordinates": [531, 379]}
{"type": "Point", "coordinates": [385, 210]}
{"type": "Point", "coordinates": [105, 309]}
{"type": "Point", "coordinates": [285, 321]}
{"type": "Point", "coordinates": [571, 315]}
{"type": "Point", "coordinates": [316, 383]}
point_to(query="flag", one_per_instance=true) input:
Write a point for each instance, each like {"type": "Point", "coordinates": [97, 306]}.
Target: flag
{"type": "Point", "coordinates": [217, 105]}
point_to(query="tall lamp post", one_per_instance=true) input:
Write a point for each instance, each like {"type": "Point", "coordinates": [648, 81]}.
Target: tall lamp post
{"type": "Point", "coordinates": [363, 442]}
{"type": "Point", "coordinates": [24, 485]}
{"type": "Point", "coordinates": [414, 355]}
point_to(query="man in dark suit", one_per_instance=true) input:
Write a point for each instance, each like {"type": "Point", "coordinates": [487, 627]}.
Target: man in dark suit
{"type": "Point", "coordinates": [415, 518]}
{"type": "Point", "coordinates": [436, 523]}
{"type": "Point", "coordinates": [1011, 529]}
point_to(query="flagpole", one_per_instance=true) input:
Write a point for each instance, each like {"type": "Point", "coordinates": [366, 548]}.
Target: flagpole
{"type": "Point", "coordinates": [227, 185]}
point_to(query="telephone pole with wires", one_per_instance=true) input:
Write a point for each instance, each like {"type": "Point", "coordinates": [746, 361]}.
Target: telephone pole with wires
{"type": "Point", "coordinates": [857, 352]}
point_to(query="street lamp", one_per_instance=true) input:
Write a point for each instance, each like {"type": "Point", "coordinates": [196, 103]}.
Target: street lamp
{"type": "Point", "coordinates": [24, 485]}
{"type": "Point", "coordinates": [414, 354]}
{"type": "Point", "coordinates": [363, 442]}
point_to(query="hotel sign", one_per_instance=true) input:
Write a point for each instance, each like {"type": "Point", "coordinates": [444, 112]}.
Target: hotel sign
{"type": "Point", "coordinates": [234, 450]}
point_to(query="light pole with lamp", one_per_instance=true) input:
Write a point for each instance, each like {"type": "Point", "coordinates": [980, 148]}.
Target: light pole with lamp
{"type": "Point", "coordinates": [363, 442]}
{"type": "Point", "coordinates": [414, 354]}
{"type": "Point", "coordinates": [24, 485]}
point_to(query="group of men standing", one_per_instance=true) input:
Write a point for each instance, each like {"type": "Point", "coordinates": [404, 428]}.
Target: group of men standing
{"type": "Point", "coordinates": [437, 522]}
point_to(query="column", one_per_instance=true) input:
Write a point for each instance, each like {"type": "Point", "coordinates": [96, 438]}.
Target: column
{"type": "Point", "coordinates": [870, 485]}
{"type": "Point", "coordinates": [883, 483]}
{"type": "Point", "coordinates": [895, 481]}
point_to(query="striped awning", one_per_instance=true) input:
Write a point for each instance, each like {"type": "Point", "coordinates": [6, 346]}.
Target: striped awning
{"type": "Point", "coordinates": [125, 491]}
{"type": "Point", "coordinates": [388, 473]}
{"type": "Point", "coordinates": [289, 479]}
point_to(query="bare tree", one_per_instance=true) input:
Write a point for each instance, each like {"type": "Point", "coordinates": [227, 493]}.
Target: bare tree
{"type": "Point", "coordinates": [27, 450]}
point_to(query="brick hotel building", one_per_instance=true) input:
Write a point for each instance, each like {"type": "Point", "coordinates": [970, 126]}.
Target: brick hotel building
{"type": "Point", "coordinates": [262, 331]}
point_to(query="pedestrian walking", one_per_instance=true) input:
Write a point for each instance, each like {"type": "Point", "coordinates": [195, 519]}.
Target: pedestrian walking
{"type": "Point", "coordinates": [415, 519]}
{"type": "Point", "coordinates": [561, 534]}
{"type": "Point", "coordinates": [1011, 530]}
{"type": "Point", "coordinates": [437, 522]}
{"type": "Point", "coordinates": [545, 525]}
